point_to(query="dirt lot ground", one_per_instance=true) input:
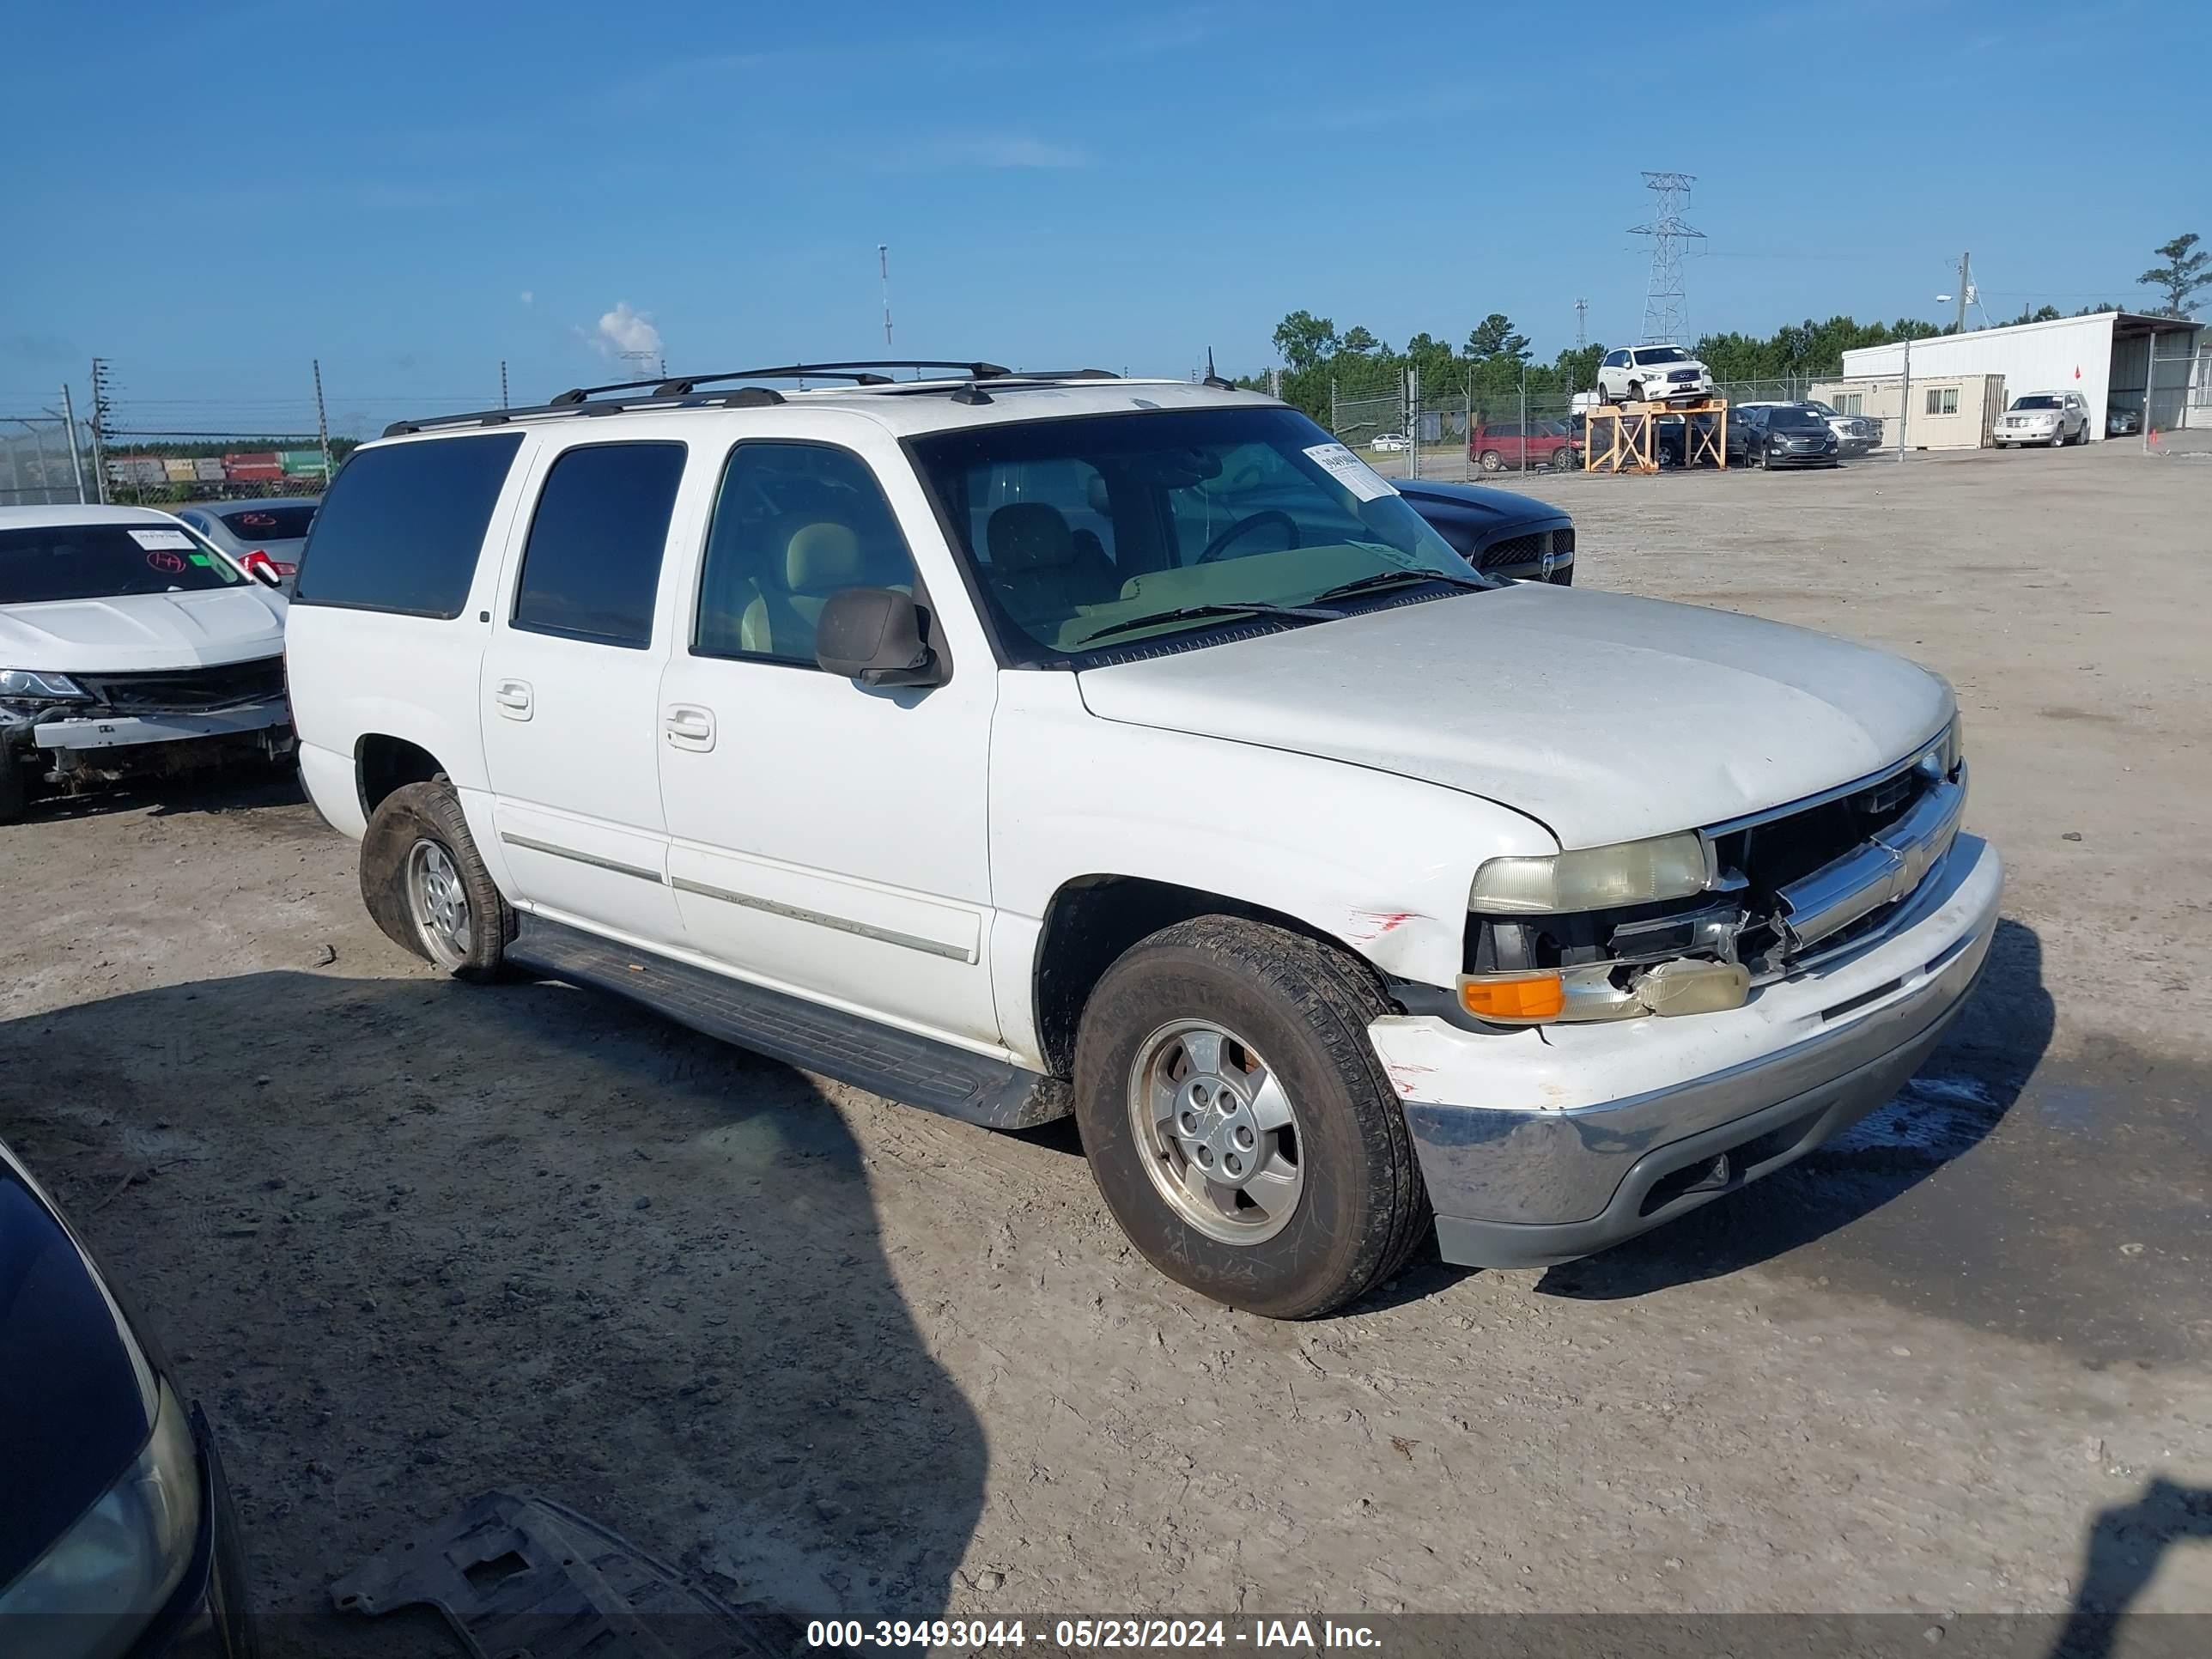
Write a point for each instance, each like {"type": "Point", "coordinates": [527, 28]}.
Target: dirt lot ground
{"type": "Point", "coordinates": [410, 1239]}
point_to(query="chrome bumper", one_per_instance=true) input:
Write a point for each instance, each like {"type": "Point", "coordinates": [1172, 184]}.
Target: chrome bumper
{"type": "Point", "coordinates": [123, 730]}
{"type": "Point", "coordinates": [1583, 1126]}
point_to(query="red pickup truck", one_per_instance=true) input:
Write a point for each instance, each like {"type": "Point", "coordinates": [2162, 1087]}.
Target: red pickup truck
{"type": "Point", "coordinates": [1498, 446]}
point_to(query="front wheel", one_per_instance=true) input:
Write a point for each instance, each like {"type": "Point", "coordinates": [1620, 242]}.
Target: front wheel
{"type": "Point", "coordinates": [426, 885]}
{"type": "Point", "coordinates": [1238, 1123]}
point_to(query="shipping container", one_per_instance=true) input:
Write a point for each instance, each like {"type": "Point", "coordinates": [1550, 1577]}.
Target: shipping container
{"type": "Point", "coordinates": [251, 458]}
{"type": "Point", "coordinates": [303, 463]}
{"type": "Point", "coordinates": [250, 471]}
{"type": "Point", "coordinates": [136, 469]}
{"type": "Point", "coordinates": [178, 471]}
{"type": "Point", "coordinates": [208, 469]}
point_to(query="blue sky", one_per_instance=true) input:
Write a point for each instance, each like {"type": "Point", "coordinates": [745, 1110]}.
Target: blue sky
{"type": "Point", "coordinates": [212, 196]}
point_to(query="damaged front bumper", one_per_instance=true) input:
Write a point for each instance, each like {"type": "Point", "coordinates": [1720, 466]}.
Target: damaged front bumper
{"type": "Point", "coordinates": [66, 744]}
{"type": "Point", "coordinates": [1588, 1134]}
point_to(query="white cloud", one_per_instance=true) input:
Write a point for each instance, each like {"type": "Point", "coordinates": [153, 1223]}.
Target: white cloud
{"type": "Point", "coordinates": [624, 329]}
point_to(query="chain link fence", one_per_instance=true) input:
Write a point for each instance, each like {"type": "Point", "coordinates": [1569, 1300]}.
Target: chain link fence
{"type": "Point", "coordinates": [39, 463]}
{"type": "Point", "coordinates": [1482, 433]}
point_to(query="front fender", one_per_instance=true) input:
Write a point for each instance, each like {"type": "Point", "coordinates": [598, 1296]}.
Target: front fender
{"type": "Point", "coordinates": [1375, 860]}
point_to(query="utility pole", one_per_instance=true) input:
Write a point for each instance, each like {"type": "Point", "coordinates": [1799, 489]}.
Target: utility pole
{"type": "Point", "coordinates": [69, 419]}
{"type": "Point", "coordinates": [1965, 277]}
{"type": "Point", "coordinates": [322, 422]}
{"type": "Point", "coordinates": [1664, 318]}
{"type": "Point", "coordinates": [883, 271]}
{"type": "Point", "coordinates": [101, 409]}
{"type": "Point", "coordinates": [502, 383]}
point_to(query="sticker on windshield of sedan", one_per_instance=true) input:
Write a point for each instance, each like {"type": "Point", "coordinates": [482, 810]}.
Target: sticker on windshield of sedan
{"type": "Point", "coordinates": [152, 540]}
{"type": "Point", "coordinates": [1348, 470]}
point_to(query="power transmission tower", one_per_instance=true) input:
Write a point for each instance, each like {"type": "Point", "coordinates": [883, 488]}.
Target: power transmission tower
{"type": "Point", "coordinates": [1581, 311]}
{"type": "Point", "coordinates": [103, 410]}
{"type": "Point", "coordinates": [640, 361]}
{"type": "Point", "coordinates": [322, 423]}
{"type": "Point", "coordinates": [1664, 319]}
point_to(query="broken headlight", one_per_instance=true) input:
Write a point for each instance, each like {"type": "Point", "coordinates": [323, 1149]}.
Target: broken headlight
{"type": "Point", "coordinates": [1594, 877]}
{"type": "Point", "coordinates": [29, 685]}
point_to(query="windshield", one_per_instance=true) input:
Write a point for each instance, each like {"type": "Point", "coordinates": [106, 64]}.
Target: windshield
{"type": "Point", "coordinates": [1797, 420]}
{"type": "Point", "coordinates": [1076, 529]}
{"type": "Point", "coordinates": [268, 524]}
{"type": "Point", "coordinates": [2035, 402]}
{"type": "Point", "coordinates": [49, 562]}
{"type": "Point", "coordinates": [1662, 354]}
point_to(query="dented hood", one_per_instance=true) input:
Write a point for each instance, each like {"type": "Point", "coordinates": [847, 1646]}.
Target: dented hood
{"type": "Point", "coordinates": [1604, 717]}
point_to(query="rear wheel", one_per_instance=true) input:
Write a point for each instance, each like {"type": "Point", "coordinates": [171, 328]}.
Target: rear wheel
{"type": "Point", "coordinates": [426, 885]}
{"type": "Point", "coordinates": [1563, 459]}
{"type": "Point", "coordinates": [1492, 461]}
{"type": "Point", "coordinates": [1237, 1122]}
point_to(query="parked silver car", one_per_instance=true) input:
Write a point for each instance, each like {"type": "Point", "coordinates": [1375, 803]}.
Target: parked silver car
{"type": "Point", "coordinates": [274, 530]}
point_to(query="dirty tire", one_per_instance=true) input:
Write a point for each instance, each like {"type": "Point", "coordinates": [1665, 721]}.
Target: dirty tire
{"type": "Point", "coordinates": [1563, 460]}
{"type": "Point", "coordinates": [431, 812]}
{"type": "Point", "coordinates": [15, 788]}
{"type": "Point", "coordinates": [1305, 1007]}
{"type": "Point", "coordinates": [1492, 461]}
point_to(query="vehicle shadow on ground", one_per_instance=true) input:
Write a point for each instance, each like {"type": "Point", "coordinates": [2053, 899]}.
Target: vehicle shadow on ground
{"type": "Point", "coordinates": [410, 1240]}
{"type": "Point", "coordinates": [2124, 1547]}
{"type": "Point", "coordinates": [215, 789]}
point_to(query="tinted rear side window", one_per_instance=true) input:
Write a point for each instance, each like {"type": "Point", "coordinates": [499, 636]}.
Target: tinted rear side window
{"type": "Point", "coordinates": [401, 527]}
{"type": "Point", "coordinates": [592, 562]}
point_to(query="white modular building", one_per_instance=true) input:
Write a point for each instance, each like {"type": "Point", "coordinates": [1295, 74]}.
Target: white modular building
{"type": "Point", "coordinates": [2160, 367]}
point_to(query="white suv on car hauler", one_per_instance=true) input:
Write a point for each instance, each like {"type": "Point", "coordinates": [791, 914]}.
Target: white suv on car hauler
{"type": "Point", "coordinates": [1016, 744]}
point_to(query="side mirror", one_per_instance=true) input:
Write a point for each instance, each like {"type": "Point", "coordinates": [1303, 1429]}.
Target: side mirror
{"type": "Point", "coordinates": [263, 569]}
{"type": "Point", "coordinates": [873, 635]}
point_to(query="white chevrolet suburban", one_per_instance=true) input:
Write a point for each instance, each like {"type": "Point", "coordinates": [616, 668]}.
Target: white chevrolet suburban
{"type": "Point", "coordinates": [1015, 745]}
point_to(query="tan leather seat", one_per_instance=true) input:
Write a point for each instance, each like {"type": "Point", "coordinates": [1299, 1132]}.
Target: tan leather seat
{"type": "Point", "coordinates": [820, 558]}
{"type": "Point", "coordinates": [1040, 573]}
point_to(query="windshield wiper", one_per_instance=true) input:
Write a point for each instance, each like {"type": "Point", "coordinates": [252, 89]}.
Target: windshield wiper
{"type": "Point", "coordinates": [1382, 579]}
{"type": "Point", "coordinates": [1191, 612]}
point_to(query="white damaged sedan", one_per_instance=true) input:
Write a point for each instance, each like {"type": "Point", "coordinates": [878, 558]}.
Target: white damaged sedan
{"type": "Point", "coordinates": [128, 644]}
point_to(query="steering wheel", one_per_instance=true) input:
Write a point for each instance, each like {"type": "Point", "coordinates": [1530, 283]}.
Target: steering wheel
{"type": "Point", "coordinates": [1219, 545]}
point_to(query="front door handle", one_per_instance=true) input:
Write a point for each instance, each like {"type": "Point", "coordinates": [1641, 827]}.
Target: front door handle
{"type": "Point", "coordinates": [513, 698]}
{"type": "Point", "coordinates": [688, 726]}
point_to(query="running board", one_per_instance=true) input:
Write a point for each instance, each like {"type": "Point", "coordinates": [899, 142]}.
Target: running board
{"type": "Point", "coordinates": [916, 1070]}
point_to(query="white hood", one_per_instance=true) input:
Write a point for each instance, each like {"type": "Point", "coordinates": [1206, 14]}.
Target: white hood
{"type": "Point", "coordinates": [143, 631]}
{"type": "Point", "coordinates": [1602, 716]}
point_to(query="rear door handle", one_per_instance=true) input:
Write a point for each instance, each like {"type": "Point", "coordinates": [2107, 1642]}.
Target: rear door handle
{"type": "Point", "coordinates": [512, 697]}
{"type": "Point", "coordinates": [688, 726]}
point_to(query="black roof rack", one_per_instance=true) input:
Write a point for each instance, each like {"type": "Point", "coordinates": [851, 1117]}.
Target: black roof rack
{"type": "Point", "coordinates": [682, 390]}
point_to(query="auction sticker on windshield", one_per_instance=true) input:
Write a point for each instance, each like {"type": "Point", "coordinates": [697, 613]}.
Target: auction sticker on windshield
{"type": "Point", "coordinates": [156, 540]}
{"type": "Point", "coordinates": [1348, 470]}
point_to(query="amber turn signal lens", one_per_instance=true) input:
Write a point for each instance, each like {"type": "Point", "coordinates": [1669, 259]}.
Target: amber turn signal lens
{"type": "Point", "coordinates": [1513, 996]}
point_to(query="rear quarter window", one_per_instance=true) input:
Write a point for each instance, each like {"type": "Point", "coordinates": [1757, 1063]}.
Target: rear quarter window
{"type": "Point", "coordinates": [401, 526]}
